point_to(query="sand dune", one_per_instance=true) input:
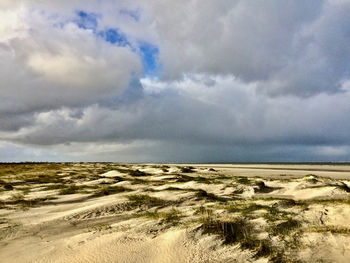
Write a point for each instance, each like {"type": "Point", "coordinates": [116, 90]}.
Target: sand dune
{"type": "Point", "coordinates": [92, 212]}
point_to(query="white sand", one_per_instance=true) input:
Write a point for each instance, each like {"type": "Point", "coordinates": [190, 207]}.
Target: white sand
{"type": "Point", "coordinates": [79, 228]}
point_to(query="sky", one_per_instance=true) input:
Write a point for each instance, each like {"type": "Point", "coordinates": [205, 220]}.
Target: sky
{"type": "Point", "coordinates": [175, 81]}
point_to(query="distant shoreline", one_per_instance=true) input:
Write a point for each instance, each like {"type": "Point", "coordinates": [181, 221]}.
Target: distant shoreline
{"type": "Point", "coordinates": [192, 163]}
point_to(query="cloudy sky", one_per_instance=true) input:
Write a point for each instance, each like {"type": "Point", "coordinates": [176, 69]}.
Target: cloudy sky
{"type": "Point", "coordinates": [175, 81]}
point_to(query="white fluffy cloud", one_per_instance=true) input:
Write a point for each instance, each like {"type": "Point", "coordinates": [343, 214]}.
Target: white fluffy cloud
{"type": "Point", "coordinates": [45, 64]}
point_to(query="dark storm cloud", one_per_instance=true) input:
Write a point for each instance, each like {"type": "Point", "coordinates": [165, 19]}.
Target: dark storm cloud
{"type": "Point", "coordinates": [288, 47]}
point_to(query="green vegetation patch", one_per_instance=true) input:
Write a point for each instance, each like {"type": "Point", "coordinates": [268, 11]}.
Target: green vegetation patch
{"type": "Point", "coordinates": [263, 188]}
{"type": "Point", "coordinates": [246, 208]}
{"type": "Point", "coordinates": [202, 194]}
{"type": "Point", "coordinates": [53, 187]}
{"type": "Point", "coordinates": [186, 169]}
{"type": "Point", "coordinates": [172, 216]}
{"type": "Point", "coordinates": [109, 190]}
{"type": "Point", "coordinates": [285, 227]}
{"type": "Point", "coordinates": [330, 229]}
{"type": "Point", "coordinates": [68, 190]}
{"type": "Point", "coordinates": [147, 182]}
{"type": "Point", "coordinates": [131, 172]}
{"type": "Point", "coordinates": [180, 189]}
{"type": "Point", "coordinates": [243, 180]}
{"type": "Point", "coordinates": [231, 231]}
{"type": "Point", "coordinates": [146, 200]}
{"type": "Point", "coordinates": [182, 178]}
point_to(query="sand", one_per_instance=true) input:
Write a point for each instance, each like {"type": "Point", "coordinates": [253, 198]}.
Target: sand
{"type": "Point", "coordinates": [164, 213]}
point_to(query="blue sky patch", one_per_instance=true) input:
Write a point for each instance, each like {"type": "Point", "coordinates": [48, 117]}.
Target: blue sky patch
{"type": "Point", "coordinates": [149, 54]}
{"type": "Point", "coordinates": [114, 36]}
{"type": "Point", "coordinates": [87, 20]}
{"type": "Point", "coordinates": [147, 51]}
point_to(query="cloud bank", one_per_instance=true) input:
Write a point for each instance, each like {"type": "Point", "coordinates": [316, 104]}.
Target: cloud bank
{"type": "Point", "coordinates": [181, 81]}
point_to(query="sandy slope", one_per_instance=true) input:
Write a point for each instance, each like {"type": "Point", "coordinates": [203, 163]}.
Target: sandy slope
{"type": "Point", "coordinates": [98, 221]}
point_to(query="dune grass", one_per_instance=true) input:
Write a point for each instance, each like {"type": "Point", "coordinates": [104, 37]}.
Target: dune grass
{"type": "Point", "coordinates": [18, 197]}
{"type": "Point", "coordinates": [136, 173]}
{"type": "Point", "coordinates": [109, 190]}
{"type": "Point", "coordinates": [263, 188]}
{"type": "Point", "coordinates": [146, 200]}
{"type": "Point", "coordinates": [68, 190]}
{"type": "Point", "coordinates": [186, 169]}
{"type": "Point", "coordinates": [202, 194]}
{"type": "Point", "coordinates": [231, 231]}
{"type": "Point", "coordinates": [330, 229]}
{"type": "Point", "coordinates": [285, 227]}
{"type": "Point", "coordinates": [172, 216]}
{"type": "Point", "coordinates": [243, 180]}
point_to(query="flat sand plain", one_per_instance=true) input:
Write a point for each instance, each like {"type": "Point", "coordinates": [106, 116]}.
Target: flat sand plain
{"type": "Point", "coordinates": [106, 212]}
